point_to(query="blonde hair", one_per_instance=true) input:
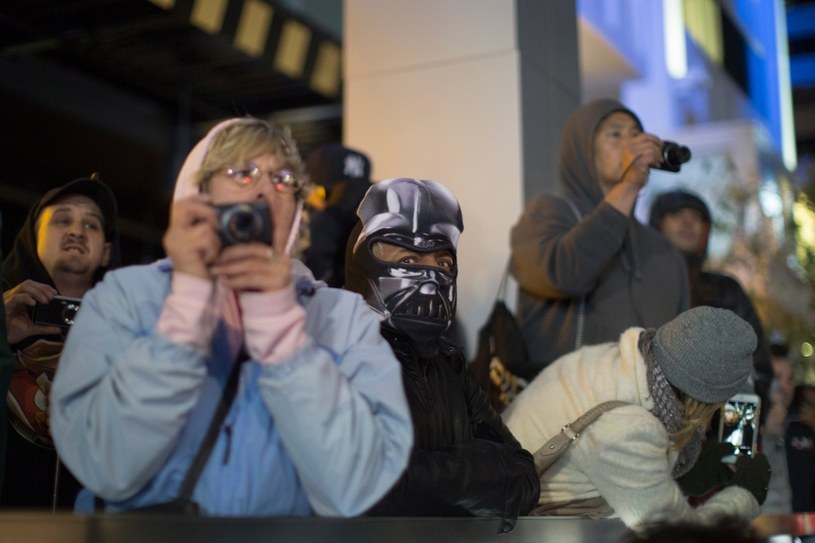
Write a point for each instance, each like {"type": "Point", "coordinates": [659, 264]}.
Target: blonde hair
{"type": "Point", "coordinates": [247, 138]}
{"type": "Point", "coordinates": [695, 414]}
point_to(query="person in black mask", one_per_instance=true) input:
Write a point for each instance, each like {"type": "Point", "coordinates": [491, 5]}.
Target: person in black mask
{"type": "Point", "coordinates": [401, 258]}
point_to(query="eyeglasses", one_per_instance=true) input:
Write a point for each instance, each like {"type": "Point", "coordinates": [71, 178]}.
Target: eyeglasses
{"type": "Point", "coordinates": [282, 180]}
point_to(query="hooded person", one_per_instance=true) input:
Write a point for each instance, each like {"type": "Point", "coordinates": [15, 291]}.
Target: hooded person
{"type": "Point", "coordinates": [586, 268]}
{"type": "Point", "coordinates": [684, 218]}
{"type": "Point", "coordinates": [402, 258]}
{"type": "Point", "coordinates": [68, 241]}
{"type": "Point", "coordinates": [155, 346]}
{"type": "Point", "coordinates": [343, 175]}
{"type": "Point", "coordinates": [671, 380]}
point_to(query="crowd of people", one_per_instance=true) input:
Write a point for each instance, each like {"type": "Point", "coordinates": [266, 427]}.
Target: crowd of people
{"type": "Point", "coordinates": [230, 378]}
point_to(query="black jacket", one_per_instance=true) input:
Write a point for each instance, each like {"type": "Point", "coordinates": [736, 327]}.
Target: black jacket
{"type": "Point", "coordinates": [800, 447]}
{"type": "Point", "coordinates": [465, 461]}
{"type": "Point", "coordinates": [329, 231]}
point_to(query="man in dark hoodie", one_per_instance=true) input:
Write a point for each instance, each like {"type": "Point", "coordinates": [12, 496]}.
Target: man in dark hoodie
{"type": "Point", "coordinates": [67, 243]}
{"type": "Point", "coordinates": [402, 258]}
{"type": "Point", "coordinates": [685, 220]}
{"type": "Point", "coordinates": [586, 268]}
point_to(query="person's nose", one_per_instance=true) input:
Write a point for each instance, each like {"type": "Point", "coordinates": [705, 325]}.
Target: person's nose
{"type": "Point", "coordinates": [77, 230]}
{"type": "Point", "coordinates": [264, 186]}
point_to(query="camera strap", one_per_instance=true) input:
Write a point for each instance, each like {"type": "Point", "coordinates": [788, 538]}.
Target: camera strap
{"type": "Point", "coordinates": [201, 457]}
{"type": "Point", "coordinates": [183, 504]}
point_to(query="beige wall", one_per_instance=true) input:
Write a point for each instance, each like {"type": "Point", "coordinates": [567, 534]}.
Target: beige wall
{"type": "Point", "coordinates": [433, 91]}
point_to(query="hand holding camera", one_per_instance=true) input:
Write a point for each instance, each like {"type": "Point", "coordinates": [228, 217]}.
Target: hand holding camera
{"type": "Point", "coordinates": [191, 240]}
{"type": "Point", "coordinates": [19, 303]}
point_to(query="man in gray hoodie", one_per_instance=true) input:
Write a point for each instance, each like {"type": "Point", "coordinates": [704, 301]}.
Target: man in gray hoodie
{"type": "Point", "coordinates": [586, 268]}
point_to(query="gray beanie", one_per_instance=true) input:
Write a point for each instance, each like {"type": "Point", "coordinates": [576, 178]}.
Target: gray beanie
{"type": "Point", "coordinates": [706, 352]}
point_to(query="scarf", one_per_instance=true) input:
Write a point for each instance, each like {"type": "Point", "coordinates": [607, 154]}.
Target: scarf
{"type": "Point", "coordinates": [667, 407]}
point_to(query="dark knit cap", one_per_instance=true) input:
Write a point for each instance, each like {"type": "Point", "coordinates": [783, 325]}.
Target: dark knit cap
{"type": "Point", "coordinates": [673, 201]}
{"type": "Point", "coordinates": [332, 163]}
{"type": "Point", "coordinates": [706, 352]}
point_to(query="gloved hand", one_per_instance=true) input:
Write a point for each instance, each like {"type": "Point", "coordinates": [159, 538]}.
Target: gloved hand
{"type": "Point", "coordinates": [708, 472]}
{"type": "Point", "coordinates": [753, 474]}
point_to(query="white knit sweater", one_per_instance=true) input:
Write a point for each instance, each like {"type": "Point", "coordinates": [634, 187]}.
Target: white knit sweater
{"type": "Point", "coordinates": [625, 456]}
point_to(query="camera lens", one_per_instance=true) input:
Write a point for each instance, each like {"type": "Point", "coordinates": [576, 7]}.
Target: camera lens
{"type": "Point", "coordinates": [69, 311]}
{"type": "Point", "coordinates": [243, 224]}
{"type": "Point", "coordinates": [674, 155]}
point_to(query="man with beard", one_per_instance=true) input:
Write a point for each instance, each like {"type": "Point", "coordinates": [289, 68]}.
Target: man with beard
{"type": "Point", "coordinates": [67, 243]}
{"type": "Point", "coordinates": [402, 258]}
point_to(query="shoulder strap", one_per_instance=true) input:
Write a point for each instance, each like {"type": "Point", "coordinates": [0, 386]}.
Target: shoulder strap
{"type": "Point", "coordinates": [581, 308]}
{"type": "Point", "coordinates": [501, 295]}
{"type": "Point", "coordinates": [557, 445]}
{"type": "Point", "coordinates": [201, 457]}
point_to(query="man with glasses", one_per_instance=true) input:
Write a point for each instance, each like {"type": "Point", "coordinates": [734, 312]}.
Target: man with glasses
{"type": "Point", "coordinates": [318, 423]}
{"type": "Point", "coordinates": [67, 243]}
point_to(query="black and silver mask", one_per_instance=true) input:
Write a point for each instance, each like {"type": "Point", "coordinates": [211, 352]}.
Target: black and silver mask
{"type": "Point", "coordinates": [415, 300]}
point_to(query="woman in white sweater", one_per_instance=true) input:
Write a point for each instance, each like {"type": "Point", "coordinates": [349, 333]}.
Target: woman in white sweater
{"type": "Point", "coordinates": [626, 462]}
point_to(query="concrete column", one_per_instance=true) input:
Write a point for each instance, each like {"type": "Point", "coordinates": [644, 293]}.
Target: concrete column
{"type": "Point", "coordinates": [470, 93]}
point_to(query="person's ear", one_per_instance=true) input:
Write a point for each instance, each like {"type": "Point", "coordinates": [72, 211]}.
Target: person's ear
{"type": "Point", "coordinates": [106, 254]}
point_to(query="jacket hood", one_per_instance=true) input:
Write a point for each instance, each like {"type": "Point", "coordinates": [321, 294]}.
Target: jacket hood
{"type": "Point", "coordinates": [185, 182]}
{"type": "Point", "coordinates": [186, 185]}
{"type": "Point", "coordinates": [577, 171]}
{"type": "Point", "coordinates": [23, 263]}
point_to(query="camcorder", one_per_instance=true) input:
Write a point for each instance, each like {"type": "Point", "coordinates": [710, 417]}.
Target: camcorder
{"type": "Point", "coordinates": [244, 222]}
{"type": "Point", "coordinates": [673, 156]}
{"type": "Point", "coordinates": [60, 311]}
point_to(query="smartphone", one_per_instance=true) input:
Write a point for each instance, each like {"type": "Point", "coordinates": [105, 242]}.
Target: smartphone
{"type": "Point", "coordinates": [60, 311]}
{"type": "Point", "coordinates": [738, 423]}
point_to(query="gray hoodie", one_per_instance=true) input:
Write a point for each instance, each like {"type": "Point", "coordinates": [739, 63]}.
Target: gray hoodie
{"type": "Point", "coordinates": [627, 273]}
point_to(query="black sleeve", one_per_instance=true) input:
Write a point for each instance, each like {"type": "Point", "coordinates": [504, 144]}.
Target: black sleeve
{"type": "Point", "coordinates": [489, 475]}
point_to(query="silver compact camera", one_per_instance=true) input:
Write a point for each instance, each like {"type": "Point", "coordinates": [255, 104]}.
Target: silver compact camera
{"type": "Point", "coordinates": [244, 222]}
{"type": "Point", "coordinates": [60, 311]}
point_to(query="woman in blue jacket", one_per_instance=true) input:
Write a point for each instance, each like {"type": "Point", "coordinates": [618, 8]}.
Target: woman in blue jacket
{"type": "Point", "coordinates": [319, 423]}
